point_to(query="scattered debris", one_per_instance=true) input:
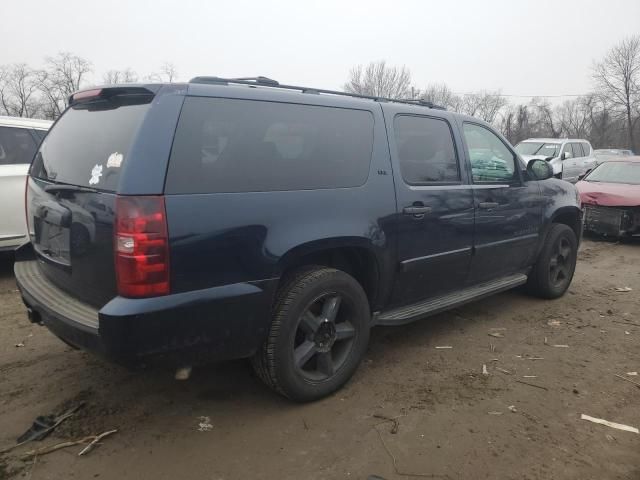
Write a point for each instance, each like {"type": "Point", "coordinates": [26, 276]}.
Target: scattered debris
{"type": "Point", "coordinates": [205, 424]}
{"type": "Point", "coordinates": [628, 380]}
{"type": "Point", "coordinates": [532, 385]}
{"type": "Point", "coordinates": [183, 373]}
{"type": "Point", "coordinates": [633, 374]}
{"type": "Point", "coordinates": [560, 346]}
{"type": "Point", "coordinates": [545, 341]}
{"type": "Point", "coordinates": [484, 369]}
{"type": "Point", "coordinates": [43, 425]}
{"type": "Point", "coordinates": [626, 322]}
{"type": "Point", "coordinates": [18, 345]}
{"type": "Point", "coordinates": [627, 332]}
{"type": "Point", "coordinates": [93, 439]}
{"type": "Point", "coordinates": [525, 357]}
{"type": "Point", "coordinates": [492, 347]}
{"type": "Point", "coordinates": [503, 370]}
{"type": "Point", "coordinates": [618, 426]}
{"type": "Point", "coordinates": [497, 328]}
{"type": "Point", "coordinates": [494, 413]}
{"type": "Point", "coordinates": [496, 334]}
{"type": "Point", "coordinates": [529, 376]}
{"type": "Point", "coordinates": [554, 323]}
{"type": "Point", "coordinates": [395, 462]}
{"type": "Point", "coordinates": [623, 289]}
{"type": "Point", "coordinates": [396, 424]}
{"type": "Point", "coordinates": [512, 408]}
{"type": "Point", "coordinates": [443, 347]}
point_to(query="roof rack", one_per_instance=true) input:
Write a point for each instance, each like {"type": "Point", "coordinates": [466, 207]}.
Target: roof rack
{"type": "Point", "coordinates": [268, 82]}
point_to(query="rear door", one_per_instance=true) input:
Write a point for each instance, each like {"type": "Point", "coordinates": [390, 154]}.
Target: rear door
{"type": "Point", "coordinates": [435, 206]}
{"type": "Point", "coordinates": [570, 167]}
{"type": "Point", "coordinates": [508, 209]}
{"type": "Point", "coordinates": [17, 148]}
{"type": "Point", "coordinates": [71, 193]}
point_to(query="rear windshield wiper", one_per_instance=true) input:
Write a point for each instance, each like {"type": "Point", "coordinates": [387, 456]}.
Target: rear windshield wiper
{"type": "Point", "coordinates": [69, 188]}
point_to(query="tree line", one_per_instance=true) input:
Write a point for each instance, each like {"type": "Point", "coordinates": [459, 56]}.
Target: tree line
{"type": "Point", "coordinates": [44, 92]}
{"type": "Point", "coordinates": [608, 116]}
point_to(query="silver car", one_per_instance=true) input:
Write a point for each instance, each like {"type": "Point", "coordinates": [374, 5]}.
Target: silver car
{"type": "Point", "coordinates": [19, 140]}
{"type": "Point", "coordinates": [570, 158]}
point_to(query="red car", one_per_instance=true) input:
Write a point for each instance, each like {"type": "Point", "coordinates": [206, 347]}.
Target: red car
{"type": "Point", "coordinates": [610, 196]}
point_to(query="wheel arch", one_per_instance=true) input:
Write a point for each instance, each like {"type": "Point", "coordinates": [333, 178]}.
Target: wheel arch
{"type": "Point", "coordinates": [353, 255]}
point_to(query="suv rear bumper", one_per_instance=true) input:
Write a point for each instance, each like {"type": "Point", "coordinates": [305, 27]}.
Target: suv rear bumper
{"type": "Point", "coordinates": [225, 322]}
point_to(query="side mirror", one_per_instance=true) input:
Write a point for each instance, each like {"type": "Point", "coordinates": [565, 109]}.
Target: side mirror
{"type": "Point", "coordinates": [565, 156]}
{"type": "Point", "coordinates": [539, 169]}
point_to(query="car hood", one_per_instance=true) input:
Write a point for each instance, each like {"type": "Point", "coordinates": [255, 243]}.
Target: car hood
{"type": "Point", "coordinates": [609, 194]}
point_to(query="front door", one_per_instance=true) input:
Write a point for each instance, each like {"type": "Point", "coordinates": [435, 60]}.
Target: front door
{"type": "Point", "coordinates": [435, 207]}
{"type": "Point", "coordinates": [508, 208]}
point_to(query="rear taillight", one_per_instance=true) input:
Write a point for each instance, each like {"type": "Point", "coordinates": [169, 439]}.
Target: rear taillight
{"type": "Point", "coordinates": [141, 246]}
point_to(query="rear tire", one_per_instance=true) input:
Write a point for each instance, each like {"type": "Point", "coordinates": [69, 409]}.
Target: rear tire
{"type": "Point", "coordinates": [553, 272]}
{"type": "Point", "coordinates": [318, 336]}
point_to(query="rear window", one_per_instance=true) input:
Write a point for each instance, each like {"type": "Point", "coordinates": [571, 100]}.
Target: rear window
{"type": "Point", "coordinates": [225, 145]}
{"type": "Point", "coordinates": [89, 146]}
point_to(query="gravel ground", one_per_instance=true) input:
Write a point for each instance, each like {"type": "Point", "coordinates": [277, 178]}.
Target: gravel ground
{"type": "Point", "coordinates": [521, 421]}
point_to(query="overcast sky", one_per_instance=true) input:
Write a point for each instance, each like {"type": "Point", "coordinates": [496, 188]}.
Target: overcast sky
{"type": "Point", "coordinates": [521, 47]}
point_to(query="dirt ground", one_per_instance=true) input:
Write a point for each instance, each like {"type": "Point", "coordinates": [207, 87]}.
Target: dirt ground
{"type": "Point", "coordinates": [452, 421]}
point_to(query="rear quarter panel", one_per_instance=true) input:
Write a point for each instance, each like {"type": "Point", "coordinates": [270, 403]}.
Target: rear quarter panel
{"type": "Point", "coordinates": [225, 238]}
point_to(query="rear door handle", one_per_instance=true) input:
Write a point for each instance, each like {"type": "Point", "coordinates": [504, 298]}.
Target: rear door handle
{"type": "Point", "coordinates": [416, 210]}
{"type": "Point", "coordinates": [488, 205]}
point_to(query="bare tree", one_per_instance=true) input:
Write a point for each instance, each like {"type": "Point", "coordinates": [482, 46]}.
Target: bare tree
{"type": "Point", "coordinates": [440, 94]}
{"type": "Point", "coordinates": [617, 79]}
{"type": "Point", "coordinates": [114, 77]}
{"type": "Point", "coordinates": [63, 75]}
{"type": "Point", "coordinates": [166, 73]}
{"type": "Point", "coordinates": [380, 80]}
{"type": "Point", "coordinates": [19, 90]}
{"type": "Point", "coordinates": [574, 117]}
{"type": "Point", "coordinates": [484, 105]}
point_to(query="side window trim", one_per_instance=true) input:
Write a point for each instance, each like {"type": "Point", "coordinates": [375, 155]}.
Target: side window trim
{"type": "Point", "coordinates": [27, 158]}
{"type": "Point", "coordinates": [454, 142]}
{"type": "Point", "coordinates": [517, 178]}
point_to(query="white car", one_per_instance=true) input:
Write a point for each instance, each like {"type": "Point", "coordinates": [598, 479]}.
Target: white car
{"type": "Point", "coordinates": [19, 140]}
{"type": "Point", "coordinates": [570, 158]}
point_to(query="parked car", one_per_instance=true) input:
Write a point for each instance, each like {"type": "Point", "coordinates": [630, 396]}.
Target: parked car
{"type": "Point", "coordinates": [610, 195]}
{"type": "Point", "coordinates": [19, 140]}
{"type": "Point", "coordinates": [569, 158]}
{"type": "Point", "coordinates": [612, 152]}
{"type": "Point", "coordinates": [247, 219]}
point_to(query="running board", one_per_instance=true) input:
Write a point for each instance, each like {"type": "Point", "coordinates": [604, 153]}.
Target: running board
{"type": "Point", "coordinates": [402, 315]}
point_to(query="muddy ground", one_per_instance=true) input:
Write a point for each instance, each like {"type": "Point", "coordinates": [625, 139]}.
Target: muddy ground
{"type": "Point", "coordinates": [452, 421]}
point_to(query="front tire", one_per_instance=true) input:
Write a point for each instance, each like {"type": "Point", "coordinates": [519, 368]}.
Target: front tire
{"type": "Point", "coordinates": [318, 335]}
{"type": "Point", "coordinates": [553, 272]}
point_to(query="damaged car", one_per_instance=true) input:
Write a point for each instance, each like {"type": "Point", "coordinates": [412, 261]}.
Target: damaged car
{"type": "Point", "coordinates": [610, 197]}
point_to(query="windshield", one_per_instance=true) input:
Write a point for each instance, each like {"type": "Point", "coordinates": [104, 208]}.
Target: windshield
{"type": "Point", "coordinates": [88, 146]}
{"type": "Point", "coordinates": [616, 172]}
{"type": "Point", "coordinates": [538, 148]}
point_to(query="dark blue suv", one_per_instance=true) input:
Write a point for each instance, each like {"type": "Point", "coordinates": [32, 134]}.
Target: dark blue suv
{"type": "Point", "coordinates": [241, 218]}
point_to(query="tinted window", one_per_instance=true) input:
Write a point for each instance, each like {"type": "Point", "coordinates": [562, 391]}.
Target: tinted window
{"type": "Point", "coordinates": [426, 150]}
{"type": "Point", "coordinates": [491, 160]}
{"type": "Point", "coordinates": [40, 133]}
{"type": "Point", "coordinates": [87, 147]}
{"type": "Point", "coordinates": [224, 145]}
{"type": "Point", "coordinates": [16, 146]}
{"type": "Point", "coordinates": [586, 148]}
{"type": "Point", "coordinates": [577, 150]}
